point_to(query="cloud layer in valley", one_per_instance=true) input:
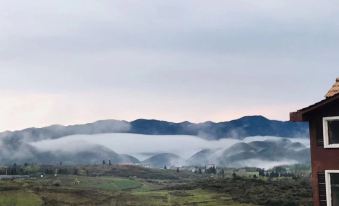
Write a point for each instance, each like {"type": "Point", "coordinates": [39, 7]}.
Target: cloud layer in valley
{"type": "Point", "coordinates": [146, 146]}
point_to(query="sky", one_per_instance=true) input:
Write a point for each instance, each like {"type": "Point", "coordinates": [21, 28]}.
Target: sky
{"type": "Point", "coordinates": [69, 62]}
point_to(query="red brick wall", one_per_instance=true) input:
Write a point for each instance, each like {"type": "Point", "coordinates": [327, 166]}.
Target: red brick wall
{"type": "Point", "coordinates": [322, 159]}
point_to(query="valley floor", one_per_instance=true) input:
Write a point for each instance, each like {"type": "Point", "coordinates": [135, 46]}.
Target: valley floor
{"type": "Point", "coordinates": [172, 189]}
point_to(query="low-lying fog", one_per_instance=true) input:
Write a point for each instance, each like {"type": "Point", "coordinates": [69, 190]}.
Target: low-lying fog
{"type": "Point", "coordinates": [144, 146]}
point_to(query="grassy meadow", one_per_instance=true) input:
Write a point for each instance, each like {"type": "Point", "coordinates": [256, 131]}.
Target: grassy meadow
{"type": "Point", "coordinates": [171, 189]}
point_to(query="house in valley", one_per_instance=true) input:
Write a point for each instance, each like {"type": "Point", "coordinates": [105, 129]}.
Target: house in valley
{"type": "Point", "coordinates": [323, 118]}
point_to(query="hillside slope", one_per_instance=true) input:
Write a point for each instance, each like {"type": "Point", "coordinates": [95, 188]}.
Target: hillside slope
{"type": "Point", "coordinates": [239, 128]}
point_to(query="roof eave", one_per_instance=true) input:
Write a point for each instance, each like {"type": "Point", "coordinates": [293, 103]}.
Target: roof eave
{"type": "Point", "coordinates": [299, 116]}
{"type": "Point", "coordinates": [296, 117]}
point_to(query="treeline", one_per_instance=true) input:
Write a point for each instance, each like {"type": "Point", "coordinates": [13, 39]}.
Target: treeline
{"type": "Point", "coordinates": [294, 171]}
{"type": "Point", "coordinates": [34, 169]}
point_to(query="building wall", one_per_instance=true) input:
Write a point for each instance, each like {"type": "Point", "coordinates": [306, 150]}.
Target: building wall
{"type": "Point", "coordinates": [322, 159]}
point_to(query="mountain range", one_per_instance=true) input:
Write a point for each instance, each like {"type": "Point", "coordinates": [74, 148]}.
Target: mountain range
{"type": "Point", "coordinates": [240, 128]}
{"type": "Point", "coordinates": [255, 153]}
{"type": "Point", "coordinates": [18, 146]}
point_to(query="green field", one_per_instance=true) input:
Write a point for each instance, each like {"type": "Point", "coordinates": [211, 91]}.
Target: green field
{"type": "Point", "coordinates": [19, 198]}
{"type": "Point", "coordinates": [103, 191]}
{"type": "Point", "coordinates": [188, 197]}
{"type": "Point", "coordinates": [171, 189]}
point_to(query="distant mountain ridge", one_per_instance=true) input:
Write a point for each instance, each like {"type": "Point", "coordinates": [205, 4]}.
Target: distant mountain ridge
{"type": "Point", "coordinates": [240, 128]}
{"type": "Point", "coordinates": [244, 154]}
{"type": "Point", "coordinates": [19, 147]}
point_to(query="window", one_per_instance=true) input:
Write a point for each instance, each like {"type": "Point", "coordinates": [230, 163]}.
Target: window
{"type": "Point", "coordinates": [331, 132]}
{"type": "Point", "coordinates": [332, 187]}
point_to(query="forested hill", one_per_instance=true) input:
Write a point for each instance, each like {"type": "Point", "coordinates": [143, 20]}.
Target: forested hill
{"type": "Point", "coordinates": [239, 128]}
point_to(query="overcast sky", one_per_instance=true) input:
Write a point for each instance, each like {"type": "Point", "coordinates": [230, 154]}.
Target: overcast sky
{"type": "Point", "coordinates": [78, 61]}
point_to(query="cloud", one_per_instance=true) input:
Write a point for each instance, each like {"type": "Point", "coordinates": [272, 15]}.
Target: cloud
{"type": "Point", "coordinates": [301, 139]}
{"type": "Point", "coordinates": [27, 147]}
{"type": "Point", "coordinates": [144, 146]}
{"type": "Point", "coordinates": [264, 164]}
{"type": "Point", "coordinates": [139, 145]}
{"type": "Point", "coordinates": [69, 147]}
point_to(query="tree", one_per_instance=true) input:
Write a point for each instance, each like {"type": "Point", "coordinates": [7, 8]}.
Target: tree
{"type": "Point", "coordinates": [212, 170]}
{"type": "Point", "coordinates": [103, 162]}
{"type": "Point", "coordinates": [261, 172]}
{"type": "Point", "coordinates": [234, 175]}
{"type": "Point", "coordinates": [200, 172]}
{"type": "Point", "coordinates": [222, 173]}
{"type": "Point", "coordinates": [109, 162]}
{"type": "Point", "coordinates": [14, 169]}
{"type": "Point", "coordinates": [32, 169]}
{"type": "Point", "coordinates": [75, 171]}
{"type": "Point", "coordinates": [165, 167]}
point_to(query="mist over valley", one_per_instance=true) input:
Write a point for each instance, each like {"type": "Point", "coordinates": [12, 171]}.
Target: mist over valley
{"type": "Point", "coordinates": [157, 143]}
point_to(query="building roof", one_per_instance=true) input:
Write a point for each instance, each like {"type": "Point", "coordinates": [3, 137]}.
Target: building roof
{"type": "Point", "coordinates": [334, 90]}
{"type": "Point", "coordinates": [332, 95]}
